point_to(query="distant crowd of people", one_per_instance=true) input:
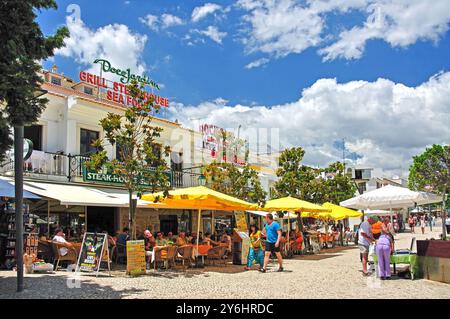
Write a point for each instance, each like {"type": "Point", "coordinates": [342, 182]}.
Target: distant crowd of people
{"type": "Point", "coordinates": [421, 221]}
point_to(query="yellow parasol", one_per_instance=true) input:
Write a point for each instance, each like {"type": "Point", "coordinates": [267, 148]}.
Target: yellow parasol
{"type": "Point", "coordinates": [200, 198]}
{"type": "Point", "coordinates": [336, 212]}
{"type": "Point", "coordinates": [292, 204]}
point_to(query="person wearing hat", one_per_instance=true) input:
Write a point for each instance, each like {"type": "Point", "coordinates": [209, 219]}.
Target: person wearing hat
{"type": "Point", "coordinates": [376, 227]}
{"type": "Point", "coordinates": [365, 238]}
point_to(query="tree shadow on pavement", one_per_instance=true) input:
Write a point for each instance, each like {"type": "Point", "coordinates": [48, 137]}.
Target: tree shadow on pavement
{"type": "Point", "coordinates": [56, 286]}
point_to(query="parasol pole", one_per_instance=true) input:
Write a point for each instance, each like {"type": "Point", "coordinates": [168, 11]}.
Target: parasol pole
{"type": "Point", "coordinates": [288, 232]}
{"type": "Point", "coordinates": [213, 225]}
{"type": "Point", "coordinates": [198, 227]}
{"type": "Point", "coordinates": [48, 218]}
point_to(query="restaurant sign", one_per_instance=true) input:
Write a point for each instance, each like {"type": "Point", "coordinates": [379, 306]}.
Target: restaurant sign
{"type": "Point", "coordinates": [109, 178]}
{"type": "Point", "coordinates": [118, 91]}
{"type": "Point", "coordinates": [126, 77]}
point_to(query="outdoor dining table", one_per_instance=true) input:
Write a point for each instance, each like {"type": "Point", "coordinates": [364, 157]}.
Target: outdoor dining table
{"type": "Point", "coordinates": [408, 259]}
{"type": "Point", "coordinates": [202, 251]}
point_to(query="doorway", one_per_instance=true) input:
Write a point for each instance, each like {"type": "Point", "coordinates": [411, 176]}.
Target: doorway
{"type": "Point", "coordinates": [100, 219]}
{"type": "Point", "coordinates": [168, 223]}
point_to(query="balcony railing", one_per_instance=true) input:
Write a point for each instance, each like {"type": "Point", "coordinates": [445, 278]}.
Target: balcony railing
{"type": "Point", "coordinates": [45, 165]}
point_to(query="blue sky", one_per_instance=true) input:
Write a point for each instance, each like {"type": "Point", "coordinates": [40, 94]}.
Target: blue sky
{"type": "Point", "coordinates": [203, 63]}
{"type": "Point", "coordinates": [210, 70]}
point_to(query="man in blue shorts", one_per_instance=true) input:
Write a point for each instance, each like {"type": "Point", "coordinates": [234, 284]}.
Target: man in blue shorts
{"type": "Point", "coordinates": [273, 235]}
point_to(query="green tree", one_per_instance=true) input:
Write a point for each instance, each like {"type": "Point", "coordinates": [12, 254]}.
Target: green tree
{"type": "Point", "coordinates": [141, 165]}
{"type": "Point", "coordinates": [430, 171]}
{"type": "Point", "coordinates": [293, 176]}
{"type": "Point", "coordinates": [340, 186]}
{"type": "Point", "coordinates": [23, 45]}
{"type": "Point", "coordinates": [241, 183]}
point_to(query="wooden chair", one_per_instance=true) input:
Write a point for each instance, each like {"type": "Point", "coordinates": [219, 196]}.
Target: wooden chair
{"type": "Point", "coordinates": [120, 251]}
{"type": "Point", "coordinates": [225, 254]}
{"type": "Point", "coordinates": [214, 253]}
{"type": "Point", "coordinates": [336, 239]}
{"type": "Point", "coordinates": [71, 256]}
{"type": "Point", "coordinates": [45, 251]}
{"type": "Point", "coordinates": [217, 253]}
{"type": "Point", "coordinates": [184, 253]}
{"type": "Point", "coordinates": [169, 258]}
{"type": "Point", "coordinates": [160, 255]}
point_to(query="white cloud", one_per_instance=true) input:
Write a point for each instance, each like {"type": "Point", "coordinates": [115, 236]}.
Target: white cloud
{"type": "Point", "coordinates": [399, 23]}
{"type": "Point", "coordinates": [169, 20]}
{"type": "Point", "coordinates": [213, 33]}
{"type": "Point", "coordinates": [257, 63]}
{"type": "Point", "coordinates": [114, 42]}
{"type": "Point", "coordinates": [282, 27]}
{"type": "Point", "coordinates": [386, 123]}
{"type": "Point", "coordinates": [151, 21]}
{"type": "Point", "coordinates": [165, 21]}
{"type": "Point", "coordinates": [201, 12]}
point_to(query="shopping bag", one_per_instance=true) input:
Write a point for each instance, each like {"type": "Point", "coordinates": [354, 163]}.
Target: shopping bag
{"type": "Point", "coordinates": [372, 250]}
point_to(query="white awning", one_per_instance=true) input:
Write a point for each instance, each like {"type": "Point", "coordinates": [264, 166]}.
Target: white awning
{"type": "Point", "coordinates": [390, 197]}
{"type": "Point", "coordinates": [378, 212]}
{"type": "Point", "coordinates": [275, 216]}
{"type": "Point", "coordinates": [80, 195]}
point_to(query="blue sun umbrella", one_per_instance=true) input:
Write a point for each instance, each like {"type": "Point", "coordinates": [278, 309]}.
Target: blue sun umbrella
{"type": "Point", "coordinates": [7, 190]}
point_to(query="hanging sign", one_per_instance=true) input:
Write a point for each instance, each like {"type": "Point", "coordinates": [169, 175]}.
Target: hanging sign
{"type": "Point", "coordinates": [241, 221]}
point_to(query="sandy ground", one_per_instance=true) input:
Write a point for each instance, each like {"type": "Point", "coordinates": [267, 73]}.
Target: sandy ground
{"type": "Point", "coordinates": [335, 274]}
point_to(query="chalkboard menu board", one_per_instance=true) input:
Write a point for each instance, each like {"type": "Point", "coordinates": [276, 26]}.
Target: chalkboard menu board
{"type": "Point", "coordinates": [136, 264]}
{"type": "Point", "coordinates": [92, 251]}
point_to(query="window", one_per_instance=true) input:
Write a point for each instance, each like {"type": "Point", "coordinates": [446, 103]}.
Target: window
{"type": "Point", "coordinates": [358, 174]}
{"type": "Point", "coordinates": [176, 161]}
{"type": "Point", "coordinates": [88, 90]}
{"type": "Point", "coordinates": [56, 81]}
{"type": "Point", "coordinates": [34, 133]}
{"type": "Point", "coordinates": [87, 137]}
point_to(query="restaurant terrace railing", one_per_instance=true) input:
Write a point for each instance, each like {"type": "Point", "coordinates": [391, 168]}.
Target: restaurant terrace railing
{"type": "Point", "coordinates": [45, 165]}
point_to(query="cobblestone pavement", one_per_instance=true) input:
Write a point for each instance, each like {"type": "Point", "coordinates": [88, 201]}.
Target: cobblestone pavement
{"type": "Point", "coordinates": [333, 274]}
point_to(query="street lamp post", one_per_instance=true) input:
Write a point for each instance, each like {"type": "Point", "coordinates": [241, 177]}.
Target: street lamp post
{"type": "Point", "coordinates": [18, 188]}
{"type": "Point", "coordinates": [18, 184]}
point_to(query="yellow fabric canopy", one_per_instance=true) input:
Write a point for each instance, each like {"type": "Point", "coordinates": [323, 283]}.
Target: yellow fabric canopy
{"type": "Point", "coordinates": [294, 205]}
{"type": "Point", "coordinates": [200, 197]}
{"type": "Point", "coordinates": [336, 213]}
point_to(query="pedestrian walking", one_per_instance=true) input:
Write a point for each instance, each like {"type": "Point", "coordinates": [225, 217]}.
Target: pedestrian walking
{"type": "Point", "coordinates": [273, 236]}
{"type": "Point", "coordinates": [422, 224]}
{"type": "Point", "coordinates": [411, 223]}
{"type": "Point", "coordinates": [447, 224]}
{"type": "Point", "coordinates": [255, 252]}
